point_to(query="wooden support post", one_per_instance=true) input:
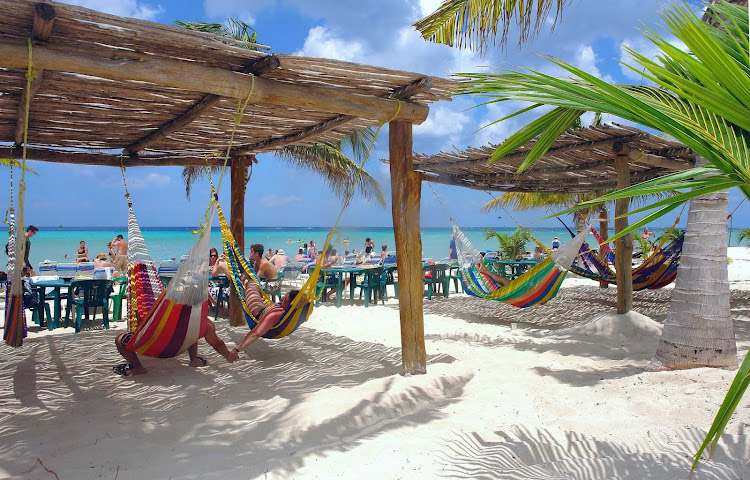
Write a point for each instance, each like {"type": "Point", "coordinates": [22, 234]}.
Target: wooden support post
{"type": "Point", "coordinates": [41, 30]}
{"type": "Point", "coordinates": [623, 245]}
{"type": "Point", "coordinates": [237, 225]}
{"type": "Point", "coordinates": [406, 193]}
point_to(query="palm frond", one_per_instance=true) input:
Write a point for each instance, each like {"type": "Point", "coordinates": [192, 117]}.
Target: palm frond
{"type": "Point", "coordinates": [475, 24]}
{"type": "Point", "coordinates": [12, 162]}
{"type": "Point", "coordinates": [337, 170]}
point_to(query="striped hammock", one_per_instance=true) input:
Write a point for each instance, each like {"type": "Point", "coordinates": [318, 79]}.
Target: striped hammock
{"type": "Point", "coordinates": [657, 271]}
{"type": "Point", "coordinates": [143, 284]}
{"type": "Point", "coordinates": [536, 286]}
{"type": "Point", "coordinates": [179, 316]}
{"type": "Point", "coordinates": [15, 322]}
{"type": "Point", "coordinates": [300, 308]}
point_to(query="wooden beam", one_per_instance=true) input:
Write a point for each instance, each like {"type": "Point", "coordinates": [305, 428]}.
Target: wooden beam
{"type": "Point", "coordinates": [401, 93]}
{"type": "Point", "coordinates": [623, 245]}
{"type": "Point", "coordinates": [238, 174]}
{"type": "Point", "coordinates": [44, 19]}
{"type": "Point", "coordinates": [277, 142]}
{"type": "Point", "coordinates": [41, 30]}
{"type": "Point", "coordinates": [198, 78]}
{"type": "Point", "coordinates": [406, 191]}
{"type": "Point", "coordinates": [418, 86]}
{"type": "Point", "coordinates": [107, 159]}
{"type": "Point", "coordinates": [257, 67]}
{"type": "Point", "coordinates": [637, 156]}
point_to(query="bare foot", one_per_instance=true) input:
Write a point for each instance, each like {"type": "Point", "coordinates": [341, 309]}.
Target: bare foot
{"type": "Point", "coordinates": [198, 362]}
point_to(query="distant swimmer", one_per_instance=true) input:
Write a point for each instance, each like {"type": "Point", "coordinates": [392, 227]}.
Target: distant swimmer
{"type": "Point", "coordinates": [345, 241]}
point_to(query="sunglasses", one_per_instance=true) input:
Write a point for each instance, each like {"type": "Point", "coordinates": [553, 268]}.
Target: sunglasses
{"type": "Point", "coordinates": [213, 255]}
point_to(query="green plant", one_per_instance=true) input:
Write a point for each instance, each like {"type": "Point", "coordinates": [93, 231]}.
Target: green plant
{"type": "Point", "coordinates": [511, 245]}
{"type": "Point", "coordinates": [743, 234]}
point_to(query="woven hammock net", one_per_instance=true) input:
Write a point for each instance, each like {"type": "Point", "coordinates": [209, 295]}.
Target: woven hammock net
{"type": "Point", "coordinates": [144, 285]}
{"type": "Point", "coordinates": [14, 329]}
{"type": "Point", "coordinates": [180, 315]}
{"type": "Point", "coordinates": [535, 286]}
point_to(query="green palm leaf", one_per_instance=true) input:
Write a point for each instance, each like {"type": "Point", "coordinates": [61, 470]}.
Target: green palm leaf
{"type": "Point", "coordinates": [701, 98]}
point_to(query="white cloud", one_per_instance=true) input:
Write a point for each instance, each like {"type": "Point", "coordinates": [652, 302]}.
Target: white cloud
{"type": "Point", "coordinates": [274, 200]}
{"type": "Point", "coordinates": [320, 42]}
{"type": "Point", "coordinates": [152, 180]}
{"type": "Point", "coordinates": [646, 48]}
{"type": "Point", "coordinates": [443, 121]}
{"type": "Point", "coordinates": [123, 8]}
{"type": "Point", "coordinates": [426, 7]}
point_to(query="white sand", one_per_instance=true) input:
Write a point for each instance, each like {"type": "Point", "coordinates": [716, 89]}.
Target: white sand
{"type": "Point", "coordinates": [329, 401]}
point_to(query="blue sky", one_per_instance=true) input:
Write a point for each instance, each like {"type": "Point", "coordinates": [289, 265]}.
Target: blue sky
{"type": "Point", "coordinates": [590, 35]}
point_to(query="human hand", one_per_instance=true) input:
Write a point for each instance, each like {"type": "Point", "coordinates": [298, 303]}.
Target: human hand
{"type": "Point", "coordinates": [234, 355]}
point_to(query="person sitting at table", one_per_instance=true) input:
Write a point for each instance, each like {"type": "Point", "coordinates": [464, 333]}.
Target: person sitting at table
{"type": "Point", "coordinates": [300, 255]}
{"type": "Point", "coordinates": [538, 255]}
{"type": "Point", "coordinates": [263, 268]}
{"type": "Point", "coordinates": [218, 268]}
{"type": "Point", "coordinates": [100, 261]}
{"type": "Point", "coordinates": [499, 279]}
{"type": "Point", "coordinates": [383, 252]}
{"type": "Point", "coordinates": [83, 253]}
{"type": "Point", "coordinates": [280, 259]}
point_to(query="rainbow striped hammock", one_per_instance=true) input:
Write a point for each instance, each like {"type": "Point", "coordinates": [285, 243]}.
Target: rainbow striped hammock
{"type": "Point", "coordinates": [656, 271]}
{"type": "Point", "coordinates": [179, 316]}
{"type": "Point", "coordinates": [535, 286]}
{"type": "Point", "coordinates": [302, 305]}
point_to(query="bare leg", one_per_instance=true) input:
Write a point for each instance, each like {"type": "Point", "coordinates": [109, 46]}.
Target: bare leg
{"type": "Point", "coordinates": [195, 360]}
{"type": "Point", "coordinates": [131, 357]}
{"type": "Point", "coordinates": [216, 342]}
{"type": "Point", "coordinates": [495, 276]}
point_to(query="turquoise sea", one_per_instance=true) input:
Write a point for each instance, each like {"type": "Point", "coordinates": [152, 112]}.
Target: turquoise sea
{"type": "Point", "coordinates": [53, 243]}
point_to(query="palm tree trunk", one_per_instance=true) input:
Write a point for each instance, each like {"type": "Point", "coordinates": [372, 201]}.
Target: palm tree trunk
{"type": "Point", "coordinates": [698, 331]}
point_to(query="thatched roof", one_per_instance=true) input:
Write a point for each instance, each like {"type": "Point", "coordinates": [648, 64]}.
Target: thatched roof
{"type": "Point", "coordinates": [107, 83]}
{"type": "Point", "coordinates": [579, 161]}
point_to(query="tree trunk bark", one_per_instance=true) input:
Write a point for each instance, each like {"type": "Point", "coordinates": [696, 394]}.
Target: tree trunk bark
{"type": "Point", "coordinates": [698, 331]}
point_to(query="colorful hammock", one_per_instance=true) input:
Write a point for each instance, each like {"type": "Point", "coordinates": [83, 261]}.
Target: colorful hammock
{"type": "Point", "coordinates": [15, 322]}
{"type": "Point", "coordinates": [144, 285]}
{"type": "Point", "coordinates": [535, 286]}
{"type": "Point", "coordinates": [179, 316]}
{"type": "Point", "coordinates": [300, 308]}
{"type": "Point", "coordinates": [657, 271]}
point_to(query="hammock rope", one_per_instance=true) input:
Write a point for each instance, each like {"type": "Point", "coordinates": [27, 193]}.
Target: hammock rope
{"type": "Point", "coordinates": [303, 304]}
{"type": "Point", "coordinates": [143, 283]}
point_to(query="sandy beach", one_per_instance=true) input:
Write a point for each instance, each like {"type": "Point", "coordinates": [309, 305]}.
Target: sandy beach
{"type": "Point", "coordinates": [550, 392]}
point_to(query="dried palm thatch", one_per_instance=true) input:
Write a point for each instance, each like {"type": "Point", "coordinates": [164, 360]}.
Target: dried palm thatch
{"type": "Point", "coordinates": [164, 95]}
{"type": "Point", "coordinates": [580, 161]}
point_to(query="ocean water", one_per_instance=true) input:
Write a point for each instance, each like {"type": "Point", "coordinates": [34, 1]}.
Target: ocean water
{"type": "Point", "coordinates": [53, 243]}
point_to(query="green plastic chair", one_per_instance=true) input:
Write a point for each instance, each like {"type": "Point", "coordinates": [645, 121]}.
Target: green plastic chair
{"type": "Point", "coordinates": [51, 324]}
{"type": "Point", "coordinates": [117, 297]}
{"type": "Point", "coordinates": [274, 293]}
{"type": "Point", "coordinates": [455, 275]}
{"type": "Point", "coordinates": [90, 293]}
{"type": "Point", "coordinates": [436, 281]}
{"type": "Point", "coordinates": [373, 285]}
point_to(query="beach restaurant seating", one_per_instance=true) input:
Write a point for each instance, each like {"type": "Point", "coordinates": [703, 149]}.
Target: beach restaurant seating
{"type": "Point", "coordinates": [291, 273]}
{"type": "Point", "coordinates": [87, 293]}
{"type": "Point", "coordinates": [119, 288]}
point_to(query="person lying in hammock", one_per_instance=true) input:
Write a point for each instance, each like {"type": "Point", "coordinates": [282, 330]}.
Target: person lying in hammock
{"type": "Point", "coordinates": [135, 367]}
{"type": "Point", "coordinates": [499, 279]}
{"type": "Point", "coordinates": [267, 316]}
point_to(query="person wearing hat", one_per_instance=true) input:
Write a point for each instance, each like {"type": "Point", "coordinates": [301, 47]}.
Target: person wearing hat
{"type": "Point", "coordinates": [453, 253]}
{"type": "Point", "coordinates": [555, 243]}
{"type": "Point", "coordinates": [280, 259]}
